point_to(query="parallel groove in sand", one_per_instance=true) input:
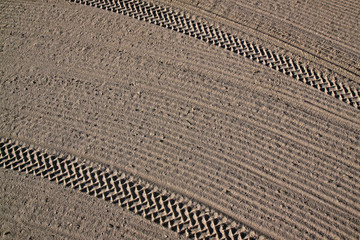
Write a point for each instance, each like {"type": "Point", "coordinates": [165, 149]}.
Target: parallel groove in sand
{"type": "Point", "coordinates": [324, 18]}
{"type": "Point", "coordinates": [330, 13]}
{"type": "Point", "coordinates": [304, 167]}
{"type": "Point", "coordinates": [185, 97]}
{"type": "Point", "coordinates": [110, 110]}
{"type": "Point", "coordinates": [242, 140]}
{"type": "Point", "coordinates": [333, 131]}
{"type": "Point", "coordinates": [328, 165]}
{"type": "Point", "coordinates": [178, 214]}
{"type": "Point", "coordinates": [291, 133]}
{"type": "Point", "coordinates": [334, 6]}
{"type": "Point", "coordinates": [179, 22]}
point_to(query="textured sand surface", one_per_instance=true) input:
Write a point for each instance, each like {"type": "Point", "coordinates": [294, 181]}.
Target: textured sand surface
{"type": "Point", "coordinates": [37, 209]}
{"type": "Point", "coordinates": [237, 138]}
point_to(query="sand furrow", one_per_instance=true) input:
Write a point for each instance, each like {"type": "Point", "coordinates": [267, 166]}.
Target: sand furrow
{"type": "Point", "coordinates": [171, 94]}
{"type": "Point", "coordinates": [333, 131]}
{"type": "Point", "coordinates": [247, 141]}
{"type": "Point", "coordinates": [346, 7]}
{"type": "Point", "coordinates": [228, 145]}
{"type": "Point", "coordinates": [149, 109]}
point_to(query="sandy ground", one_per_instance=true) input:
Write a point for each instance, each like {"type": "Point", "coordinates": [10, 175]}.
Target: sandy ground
{"type": "Point", "coordinates": [263, 149]}
{"type": "Point", "coordinates": [32, 208]}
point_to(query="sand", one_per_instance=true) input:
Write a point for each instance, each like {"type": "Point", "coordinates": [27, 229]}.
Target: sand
{"type": "Point", "coordinates": [118, 126]}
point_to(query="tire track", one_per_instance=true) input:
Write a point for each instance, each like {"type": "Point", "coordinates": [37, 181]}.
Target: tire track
{"type": "Point", "coordinates": [174, 212]}
{"type": "Point", "coordinates": [179, 22]}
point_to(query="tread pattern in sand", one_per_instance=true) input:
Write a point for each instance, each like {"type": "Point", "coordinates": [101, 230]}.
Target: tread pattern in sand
{"type": "Point", "coordinates": [176, 213]}
{"type": "Point", "coordinates": [179, 22]}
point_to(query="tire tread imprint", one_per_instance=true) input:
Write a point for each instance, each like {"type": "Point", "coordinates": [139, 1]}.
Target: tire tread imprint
{"type": "Point", "coordinates": [181, 215]}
